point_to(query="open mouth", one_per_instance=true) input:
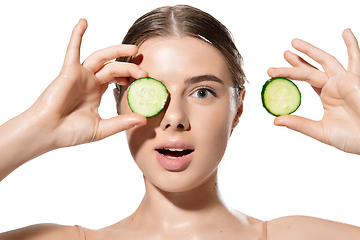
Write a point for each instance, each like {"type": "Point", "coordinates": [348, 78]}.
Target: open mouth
{"type": "Point", "coordinates": [174, 153]}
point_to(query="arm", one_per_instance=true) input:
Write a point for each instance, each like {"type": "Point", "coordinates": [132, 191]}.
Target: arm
{"type": "Point", "coordinates": [22, 139]}
{"type": "Point", "coordinates": [66, 113]}
{"type": "Point", "coordinates": [339, 91]}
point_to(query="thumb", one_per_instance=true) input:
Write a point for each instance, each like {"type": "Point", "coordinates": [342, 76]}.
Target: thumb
{"type": "Point", "coordinates": [305, 126]}
{"type": "Point", "coordinates": [111, 126]}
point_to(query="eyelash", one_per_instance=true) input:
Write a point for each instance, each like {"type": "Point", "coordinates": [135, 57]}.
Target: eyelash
{"type": "Point", "coordinates": [207, 89]}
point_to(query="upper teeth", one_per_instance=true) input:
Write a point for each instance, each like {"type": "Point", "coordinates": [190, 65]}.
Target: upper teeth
{"type": "Point", "coordinates": [174, 149]}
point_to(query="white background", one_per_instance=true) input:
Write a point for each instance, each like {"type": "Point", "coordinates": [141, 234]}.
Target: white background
{"type": "Point", "coordinates": [267, 172]}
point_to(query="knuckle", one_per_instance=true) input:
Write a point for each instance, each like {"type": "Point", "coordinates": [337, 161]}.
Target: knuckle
{"type": "Point", "coordinates": [112, 70]}
{"type": "Point", "coordinates": [99, 56]}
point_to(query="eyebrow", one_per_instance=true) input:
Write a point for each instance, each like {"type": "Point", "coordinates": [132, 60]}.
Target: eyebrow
{"type": "Point", "coordinates": [201, 78]}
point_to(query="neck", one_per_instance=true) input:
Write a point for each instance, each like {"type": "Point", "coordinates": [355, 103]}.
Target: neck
{"type": "Point", "coordinates": [181, 209]}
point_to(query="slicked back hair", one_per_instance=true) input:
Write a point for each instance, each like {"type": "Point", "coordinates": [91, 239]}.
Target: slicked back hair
{"type": "Point", "coordinates": [183, 21]}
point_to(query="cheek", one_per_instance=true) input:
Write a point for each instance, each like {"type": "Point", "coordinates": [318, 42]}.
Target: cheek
{"type": "Point", "coordinates": [138, 138]}
{"type": "Point", "coordinates": [212, 130]}
{"type": "Point", "coordinates": [212, 127]}
{"type": "Point", "coordinates": [216, 119]}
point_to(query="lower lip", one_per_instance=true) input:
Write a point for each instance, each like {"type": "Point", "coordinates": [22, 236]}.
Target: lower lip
{"type": "Point", "coordinates": [177, 164]}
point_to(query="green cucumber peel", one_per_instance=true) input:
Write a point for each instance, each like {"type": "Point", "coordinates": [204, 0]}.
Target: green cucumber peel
{"type": "Point", "coordinates": [147, 96]}
{"type": "Point", "coordinates": [280, 96]}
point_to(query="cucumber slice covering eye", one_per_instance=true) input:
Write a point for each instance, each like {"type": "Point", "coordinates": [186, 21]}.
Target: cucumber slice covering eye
{"type": "Point", "coordinates": [147, 96]}
{"type": "Point", "coordinates": [280, 96]}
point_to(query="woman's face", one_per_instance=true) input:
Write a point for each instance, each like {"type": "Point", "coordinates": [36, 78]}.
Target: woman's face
{"type": "Point", "coordinates": [180, 148]}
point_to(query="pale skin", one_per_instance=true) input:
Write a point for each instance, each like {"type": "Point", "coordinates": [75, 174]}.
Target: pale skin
{"type": "Point", "coordinates": [194, 202]}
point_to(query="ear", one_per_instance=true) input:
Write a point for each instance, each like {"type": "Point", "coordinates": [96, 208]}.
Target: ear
{"type": "Point", "coordinates": [239, 109]}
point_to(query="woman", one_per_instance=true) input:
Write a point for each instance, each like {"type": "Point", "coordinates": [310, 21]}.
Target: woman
{"type": "Point", "coordinates": [179, 150]}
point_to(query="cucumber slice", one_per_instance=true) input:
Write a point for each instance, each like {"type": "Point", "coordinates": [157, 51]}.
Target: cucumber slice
{"type": "Point", "coordinates": [147, 96]}
{"type": "Point", "coordinates": [280, 96]}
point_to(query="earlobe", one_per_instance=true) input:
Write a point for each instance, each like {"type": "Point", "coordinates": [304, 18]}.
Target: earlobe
{"type": "Point", "coordinates": [239, 110]}
{"type": "Point", "coordinates": [237, 117]}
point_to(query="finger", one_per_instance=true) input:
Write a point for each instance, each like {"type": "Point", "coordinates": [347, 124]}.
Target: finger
{"type": "Point", "coordinates": [303, 125]}
{"type": "Point", "coordinates": [73, 50]}
{"type": "Point", "coordinates": [307, 72]}
{"type": "Point", "coordinates": [115, 70]}
{"type": "Point", "coordinates": [108, 127]}
{"type": "Point", "coordinates": [314, 77]}
{"type": "Point", "coordinates": [121, 80]}
{"type": "Point", "coordinates": [103, 88]}
{"type": "Point", "coordinates": [328, 62]}
{"type": "Point", "coordinates": [297, 61]}
{"type": "Point", "coordinates": [302, 70]}
{"type": "Point", "coordinates": [96, 60]}
{"type": "Point", "coordinates": [353, 52]}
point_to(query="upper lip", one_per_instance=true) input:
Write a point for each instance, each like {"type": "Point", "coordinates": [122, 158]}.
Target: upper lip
{"type": "Point", "coordinates": [175, 144]}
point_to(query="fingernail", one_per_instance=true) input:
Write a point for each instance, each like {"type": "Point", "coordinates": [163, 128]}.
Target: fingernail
{"type": "Point", "coordinates": [136, 125]}
{"type": "Point", "coordinates": [271, 70]}
{"type": "Point", "coordinates": [278, 122]}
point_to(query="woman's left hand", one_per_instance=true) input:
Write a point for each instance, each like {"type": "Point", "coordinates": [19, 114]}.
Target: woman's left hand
{"type": "Point", "coordinates": [339, 91]}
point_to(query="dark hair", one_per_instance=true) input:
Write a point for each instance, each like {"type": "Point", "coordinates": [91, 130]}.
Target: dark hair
{"type": "Point", "coordinates": [183, 20]}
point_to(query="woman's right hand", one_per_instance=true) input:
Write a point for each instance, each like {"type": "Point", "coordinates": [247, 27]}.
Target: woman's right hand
{"type": "Point", "coordinates": [68, 108]}
{"type": "Point", "coordinates": [66, 113]}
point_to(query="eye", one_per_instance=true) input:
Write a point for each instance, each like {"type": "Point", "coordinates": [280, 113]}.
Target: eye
{"type": "Point", "coordinates": [204, 93]}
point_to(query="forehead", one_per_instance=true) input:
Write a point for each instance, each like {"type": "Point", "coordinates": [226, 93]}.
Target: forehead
{"type": "Point", "coordinates": [182, 57]}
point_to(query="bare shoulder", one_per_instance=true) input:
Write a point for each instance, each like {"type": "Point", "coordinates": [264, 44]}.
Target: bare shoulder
{"type": "Point", "coordinates": [43, 232]}
{"type": "Point", "coordinates": [309, 228]}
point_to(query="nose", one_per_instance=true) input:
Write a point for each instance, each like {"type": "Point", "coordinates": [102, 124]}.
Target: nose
{"type": "Point", "coordinates": [175, 116]}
